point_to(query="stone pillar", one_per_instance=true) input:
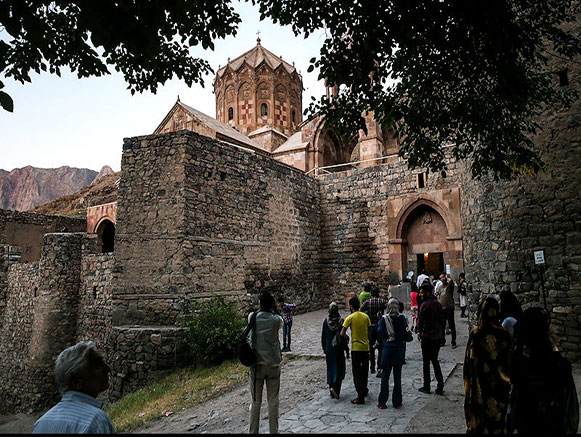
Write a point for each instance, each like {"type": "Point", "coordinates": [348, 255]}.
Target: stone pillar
{"type": "Point", "coordinates": [370, 145]}
{"type": "Point", "coordinates": [56, 311]}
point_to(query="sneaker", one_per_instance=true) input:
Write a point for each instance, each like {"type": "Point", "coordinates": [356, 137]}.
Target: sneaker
{"type": "Point", "coordinates": [440, 391]}
{"type": "Point", "coordinates": [424, 390]}
{"type": "Point", "coordinates": [334, 393]}
{"type": "Point", "coordinates": [381, 407]}
{"type": "Point", "coordinates": [399, 407]}
{"type": "Point", "coordinates": [454, 346]}
{"type": "Point", "coordinates": [358, 401]}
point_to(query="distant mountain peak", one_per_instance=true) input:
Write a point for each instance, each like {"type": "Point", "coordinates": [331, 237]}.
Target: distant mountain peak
{"type": "Point", "coordinates": [106, 170]}
{"type": "Point", "coordinates": [24, 188]}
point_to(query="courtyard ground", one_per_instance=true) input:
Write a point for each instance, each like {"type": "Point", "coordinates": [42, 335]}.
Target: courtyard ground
{"type": "Point", "coordinates": [305, 405]}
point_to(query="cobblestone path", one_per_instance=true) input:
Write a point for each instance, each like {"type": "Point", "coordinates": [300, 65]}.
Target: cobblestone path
{"type": "Point", "coordinates": [326, 415]}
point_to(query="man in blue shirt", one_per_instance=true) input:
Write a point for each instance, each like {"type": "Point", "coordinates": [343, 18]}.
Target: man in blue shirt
{"type": "Point", "coordinates": [81, 374]}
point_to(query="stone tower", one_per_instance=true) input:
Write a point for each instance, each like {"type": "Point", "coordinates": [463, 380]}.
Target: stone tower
{"type": "Point", "coordinates": [260, 95]}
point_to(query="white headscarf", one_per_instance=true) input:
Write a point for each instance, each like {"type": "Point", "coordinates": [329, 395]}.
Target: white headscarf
{"type": "Point", "coordinates": [393, 311]}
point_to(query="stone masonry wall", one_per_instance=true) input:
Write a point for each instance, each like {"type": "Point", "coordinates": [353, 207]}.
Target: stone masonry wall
{"type": "Point", "coordinates": [356, 217]}
{"type": "Point", "coordinates": [506, 221]}
{"type": "Point", "coordinates": [198, 217]}
{"type": "Point", "coordinates": [17, 391]}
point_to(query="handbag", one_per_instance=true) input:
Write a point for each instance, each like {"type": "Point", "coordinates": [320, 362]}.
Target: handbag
{"type": "Point", "coordinates": [246, 353]}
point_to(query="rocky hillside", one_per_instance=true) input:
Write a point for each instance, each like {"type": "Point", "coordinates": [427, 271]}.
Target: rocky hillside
{"type": "Point", "coordinates": [25, 188]}
{"type": "Point", "coordinates": [103, 190]}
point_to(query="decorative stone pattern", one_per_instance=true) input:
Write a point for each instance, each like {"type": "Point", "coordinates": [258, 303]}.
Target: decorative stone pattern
{"type": "Point", "coordinates": [25, 230]}
{"type": "Point", "coordinates": [96, 214]}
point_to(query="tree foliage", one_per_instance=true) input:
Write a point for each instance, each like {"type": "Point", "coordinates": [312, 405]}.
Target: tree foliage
{"type": "Point", "coordinates": [468, 73]}
{"type": "Point", "coordinates": [147, 41]}
{"type": "Point", "coordinates": [472, 74]}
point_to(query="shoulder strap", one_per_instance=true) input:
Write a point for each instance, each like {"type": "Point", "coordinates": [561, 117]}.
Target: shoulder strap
{"type": "Point", "coordinates": [250, 325]}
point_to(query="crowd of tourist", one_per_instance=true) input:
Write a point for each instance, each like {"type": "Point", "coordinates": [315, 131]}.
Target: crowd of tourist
{"type": "Point", "coordinates": [515, 380]}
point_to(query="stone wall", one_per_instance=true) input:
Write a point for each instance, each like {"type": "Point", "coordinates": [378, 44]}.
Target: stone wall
{"type": "Point", "coordinates": [505, 222]}
{"type": "Point", "coordinates": [17, 390]}
{"type": "Point", "coordinates": [360, 210]}
{"type": "Point", "coordinates": [198, 217]}
{"type": "Point", "coordinates": [25, 230]}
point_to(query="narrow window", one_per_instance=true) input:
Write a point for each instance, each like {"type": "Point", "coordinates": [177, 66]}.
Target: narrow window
{"type": "Point", "coordinates": [263, 110]}
{"type": "Point", "coordinates": [230, 113]}
{"type": "Point", "coordinates": [293, 116]}
{"type": "Point", "coordinates": [563, 77]}
{"type": "Point", "coordinates": [421, 181]}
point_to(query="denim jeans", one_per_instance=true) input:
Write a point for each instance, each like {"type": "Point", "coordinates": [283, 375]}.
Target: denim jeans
{"type": "Point", "coordinates": [396, 398]}
{"type": "Point", "coordinates": [286, 334]}
{"type": "Point", "coordinates": [430, 351]}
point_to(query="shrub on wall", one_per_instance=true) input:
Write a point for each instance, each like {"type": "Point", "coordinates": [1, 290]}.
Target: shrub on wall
{"type": "Point", "coordinates": [213, 327]}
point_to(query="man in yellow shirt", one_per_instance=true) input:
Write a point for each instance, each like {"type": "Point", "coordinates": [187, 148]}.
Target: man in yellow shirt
{"type": "Point", "coordinates": [359, 323]}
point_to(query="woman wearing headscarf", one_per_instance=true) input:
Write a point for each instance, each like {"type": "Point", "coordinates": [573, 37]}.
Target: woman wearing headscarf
{"type": "Point", "coordinates": [543, 399]}
{"type": "Point", "coordinates": [486, 380]}
{"type": "Point", "coordinates": [510, 311]}
{"type": "Point", "coordinates": [334, 347]}
{"type": "Point", "coordinates": [391, 330]}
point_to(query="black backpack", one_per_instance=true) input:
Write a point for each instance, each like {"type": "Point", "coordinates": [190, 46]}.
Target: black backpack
{"type": "Point", "coordinates": [246, 353]}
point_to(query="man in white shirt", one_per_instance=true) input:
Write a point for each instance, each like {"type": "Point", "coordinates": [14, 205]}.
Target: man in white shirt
{"type": "Point", "coordinates": [439, 283]}
{"type": "Point", "coordinates": [421, 278]}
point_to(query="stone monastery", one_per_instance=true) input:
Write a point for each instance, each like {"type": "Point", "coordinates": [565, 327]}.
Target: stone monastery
{"type": "Point", "coordinates": [260, 199]}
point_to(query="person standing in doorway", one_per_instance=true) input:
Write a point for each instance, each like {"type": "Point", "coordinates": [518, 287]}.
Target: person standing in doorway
{"type": "Point", "coordinates": [359, 323]}
{"type": "Point", "coordinates": [264, 338]}
{"type": "Point", "coordinates": [430, 324]}
{"type": "Point", "coordinates": [286, 309]}
{"type": "Point", "coordinates": [374, 308]}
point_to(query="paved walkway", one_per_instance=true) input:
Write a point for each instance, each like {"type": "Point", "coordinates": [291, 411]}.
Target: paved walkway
{"type": "Point", "coordinates": [327, 415]}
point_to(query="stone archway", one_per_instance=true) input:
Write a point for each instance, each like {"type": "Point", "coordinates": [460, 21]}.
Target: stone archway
{"type": "Point", "coordinates": [105, 236]}
{"type": "Point", "coordinates": [427, 235]}
{"type": "Point", "coordinates": [328, 149]}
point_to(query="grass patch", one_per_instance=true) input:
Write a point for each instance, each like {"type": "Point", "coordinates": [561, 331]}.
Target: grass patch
{"type": "Point", "coordinates": [182, 389]}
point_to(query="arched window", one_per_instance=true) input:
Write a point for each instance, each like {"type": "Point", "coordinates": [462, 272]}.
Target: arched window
{"type": "Point", "coordinates": [230, 113]}
{"type": "Point", "coordinates": [264, 110]}
{"type": "Point", "coordinates": [106, 237]}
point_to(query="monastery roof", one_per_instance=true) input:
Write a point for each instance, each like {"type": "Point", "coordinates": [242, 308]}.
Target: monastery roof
{"type": "Point", "coordinates": [254, 57]}
{"type": "Point", "coordinates": [264, 129]}
{"type": "Point", "coordinates": [217, 126]}
{"type": "Point", "coordinates": [293, 143]}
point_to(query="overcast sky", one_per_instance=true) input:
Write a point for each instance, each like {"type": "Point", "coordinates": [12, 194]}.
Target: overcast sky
{"type": "Point", "coordinates": [82, 122]}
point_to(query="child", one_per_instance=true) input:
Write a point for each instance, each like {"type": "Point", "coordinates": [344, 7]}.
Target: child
{"type": "Point", "coordinates": [287, 317]}
{"type": "Point", "coordinates": [414, 306]}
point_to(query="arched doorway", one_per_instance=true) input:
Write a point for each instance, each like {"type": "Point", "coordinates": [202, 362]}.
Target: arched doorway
{"type": "Point", "coordinates": [105, 236]}
{"type": "Point", "coordinates": [425, 232]}
{"type": "Point", "coordinates": [329, 150]}
{"type": "Point", "coordinates": [426, 235]}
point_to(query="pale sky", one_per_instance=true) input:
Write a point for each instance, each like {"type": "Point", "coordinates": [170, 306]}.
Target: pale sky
{"type": "Point", "coordinates": [82, 122]}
